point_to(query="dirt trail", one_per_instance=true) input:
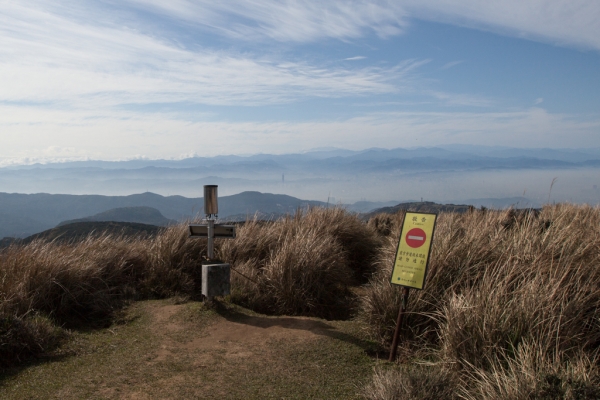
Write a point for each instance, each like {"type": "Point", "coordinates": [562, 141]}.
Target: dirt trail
{"type": "Point", "coordinates": [209, 352]}
{"type": "Point", "coordinates": [246, 336]}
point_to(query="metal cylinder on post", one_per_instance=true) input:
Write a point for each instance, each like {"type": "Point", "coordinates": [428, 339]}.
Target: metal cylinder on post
{"type": "Point", "coordinates": [211, 205]}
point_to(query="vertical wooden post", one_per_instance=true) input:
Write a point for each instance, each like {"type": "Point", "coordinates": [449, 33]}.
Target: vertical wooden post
{"type": "Point", "coordinates": [399, 324]}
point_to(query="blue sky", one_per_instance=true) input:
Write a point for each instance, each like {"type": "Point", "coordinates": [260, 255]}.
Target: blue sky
{"type": "Point", "coordinates": [130, 79]}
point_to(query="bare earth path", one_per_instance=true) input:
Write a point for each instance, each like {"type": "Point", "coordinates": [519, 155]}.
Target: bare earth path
{"type": "Point", "coordinates": [180, 351]}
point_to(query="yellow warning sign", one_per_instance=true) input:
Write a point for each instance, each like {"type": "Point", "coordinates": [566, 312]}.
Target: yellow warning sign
{"type": "Point", "coordinates": [412, 257]}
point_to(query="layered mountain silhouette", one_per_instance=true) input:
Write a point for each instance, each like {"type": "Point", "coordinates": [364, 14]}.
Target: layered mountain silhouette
{"type": "Point", "coordinates": [140, 214]}
{"type": "Point", "coordinates": [420, 206]}
{"type": "Point", "coordinates": [22, 215]}
{"type": "Point", "coordinates": [77, 231]}
{"type": "Point", "coordinates": [347, 174]}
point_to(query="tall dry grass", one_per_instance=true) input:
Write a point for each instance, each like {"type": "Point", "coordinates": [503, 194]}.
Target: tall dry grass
{"type": "Point", "coordinates": [46, 283]}
{"type": "Point", "coordinates": [412, 382]}
{"type": "Point", "coordinates": [511, 302]}
{"type": "Point", "coordinates": [510, 307]}
{"type": "Point", "coordinates": [302, 264]}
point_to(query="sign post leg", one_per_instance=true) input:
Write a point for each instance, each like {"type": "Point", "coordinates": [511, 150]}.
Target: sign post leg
{"type": "Point", "coordinates": [399, 324]}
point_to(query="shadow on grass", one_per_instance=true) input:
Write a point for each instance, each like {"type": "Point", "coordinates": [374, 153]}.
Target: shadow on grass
{"type": "Point", "coordinates": [10, 371]}
{"type": "Point", "coordinates": [61, 348]}
{"type": "Point", "coordinates": [302, 323]}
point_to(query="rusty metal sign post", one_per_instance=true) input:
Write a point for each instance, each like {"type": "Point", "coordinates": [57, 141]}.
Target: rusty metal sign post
{"type": "Point", "coordinates": [412, 259]}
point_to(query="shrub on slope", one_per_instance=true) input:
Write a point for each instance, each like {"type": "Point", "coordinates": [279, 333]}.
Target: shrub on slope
{"type": "Point", "coordinates": [22, 338]}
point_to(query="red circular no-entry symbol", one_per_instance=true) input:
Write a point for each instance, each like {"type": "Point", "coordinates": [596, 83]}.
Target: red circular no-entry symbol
{"type": "Point", "coordinates": [415, 237]}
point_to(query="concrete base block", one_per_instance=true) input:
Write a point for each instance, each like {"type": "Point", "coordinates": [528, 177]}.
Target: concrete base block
{"type": "Point", "coordinates": [215, 280]}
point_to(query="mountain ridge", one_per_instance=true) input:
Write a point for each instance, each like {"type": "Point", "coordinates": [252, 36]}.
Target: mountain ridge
{"type": "Point", "coordinates": [139, 214]}
{"type": "Point", "coordinates": [442, 173]}
{"type": "Point", "coordinates": [25, 214]}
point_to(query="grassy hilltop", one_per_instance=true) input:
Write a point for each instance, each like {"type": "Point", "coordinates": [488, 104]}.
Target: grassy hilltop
{"type": "Point", "coordinates": [510, 309]}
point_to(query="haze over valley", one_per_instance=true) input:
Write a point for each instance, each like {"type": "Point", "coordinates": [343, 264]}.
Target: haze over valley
{"type": "Point", "coordinates": [459, 174]}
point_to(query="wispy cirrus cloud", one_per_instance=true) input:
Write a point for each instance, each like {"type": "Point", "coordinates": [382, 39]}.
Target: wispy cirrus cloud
{"type": "Point", "coordinates": [287, 20]}
{"type": "Point", "coordinates": [78, 53]}
{"type": "Point", "coordinates": [461, 99]}
{"type": "Point", "coordinates": [452, 64]}
{"type": "Point", "coordinates": [561, 22]}
{"type": "Point", "coordinates": [50, 55]}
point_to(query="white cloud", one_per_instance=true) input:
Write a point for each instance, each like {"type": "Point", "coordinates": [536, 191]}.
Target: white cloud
{"type": "Point", "coordinates": [49, 55]}
{"type": "Point", "coordinates": [74, 54]}
{"type": "Point", "coordinates": [355, 58]}
{"type": "Point", "coordinates": [537, 101]}
{"type": "Point", "coordinates": [561, 22]}
{"type": "Point", "coordinates": [452, 64]}
{"type": "Point", "coordinates": [461, 99]}
{"type": "Point", "coordinates": [287, 20]}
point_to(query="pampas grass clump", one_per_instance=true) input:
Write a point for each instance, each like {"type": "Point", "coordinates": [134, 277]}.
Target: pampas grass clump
{"type": "Point", "coordinates": [301, 265]}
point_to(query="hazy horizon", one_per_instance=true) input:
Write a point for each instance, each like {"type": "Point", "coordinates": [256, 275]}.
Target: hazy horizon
{"type": "Point", "coordinates": [594, 151]}
{"type": "Point", "coordinates": [451, 174]}
{"type": "Point", "coordinates": [570, 186]}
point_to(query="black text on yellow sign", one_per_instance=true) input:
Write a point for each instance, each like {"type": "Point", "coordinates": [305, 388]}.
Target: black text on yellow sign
{"type": "Point", "coordinates": [412, 257]}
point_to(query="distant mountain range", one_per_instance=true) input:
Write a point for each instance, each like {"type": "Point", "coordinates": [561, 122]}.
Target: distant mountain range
{"type": "Point", "coordinates": [419, 206]}
{"type": "Point", "coordinates": [23, 215]}
{"type": "Point", "coordinates": [362, 181]}
{"type": "Point", "coordinates": [479, 156]}
{"type": "Point", "coordinates": [141, 214]}
{"type": "Point", "coordinates": [77, 231]}
{"type": "Point", "coordinates": [431, 207]}
{"type": "Point", "coordinates": [146, 221]}
{"type": "Point", "coordinates": [371, 175]}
